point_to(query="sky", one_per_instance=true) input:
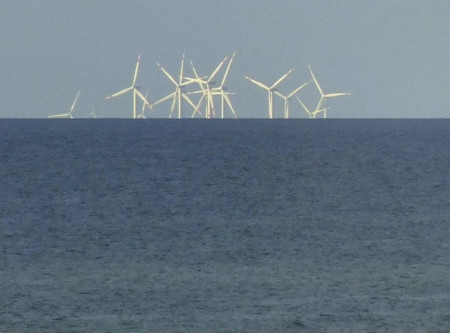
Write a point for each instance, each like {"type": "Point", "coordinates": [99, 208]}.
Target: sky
{"type": "Point", "coordinates": [393, 56]}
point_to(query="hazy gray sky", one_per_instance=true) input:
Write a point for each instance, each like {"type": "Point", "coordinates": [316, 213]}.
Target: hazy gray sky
{"type": "Point", "coordinates": [394, 56]}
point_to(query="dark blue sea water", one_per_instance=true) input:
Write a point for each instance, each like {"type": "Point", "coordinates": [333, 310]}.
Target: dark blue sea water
{"type": "Point", "coordinates": [224, 225]}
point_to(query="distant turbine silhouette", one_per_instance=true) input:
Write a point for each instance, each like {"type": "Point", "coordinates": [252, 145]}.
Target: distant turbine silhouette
{"type": "Point", "coordinates": [323, 96]}
{"type": "Point", "coordinates": [178, 94]}
{"type": "Point", "coordinates": [288, 97]}
{"type": "Point", "coordinates": [270, 89]}
{"type": "Point", "coordinates": [68, 114]}
{"type": "Point", "coordinates": [206, 90]}
{"type": "Point", "coordinates": [310, 114]}
{"type": "Point", "coordinates": [135, 89]}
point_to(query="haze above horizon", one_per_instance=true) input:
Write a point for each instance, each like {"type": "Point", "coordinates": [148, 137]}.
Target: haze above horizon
{"type": "Point", "coordinates": [391, 55]}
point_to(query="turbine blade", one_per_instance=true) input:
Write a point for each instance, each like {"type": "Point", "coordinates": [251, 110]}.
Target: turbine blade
{"type": "Point", "coordinates": [315, 113]}
{"type": "Point", "coordinates": [197, 108]}
{"type": "Point", "coordinates": [281, 79]}
{"type": "Point", "coordinates": [165, 98]}
{"type": "Point", "coordinates": [227, 70]}
{"type": "Point", "coordinates": [315, 81]}
{"type": "Point", "coordinates": [260, 84]}
{"type": "Point", "coordinates": [136, 71]}
{"type": "Point", "coordinates": [143, 98]}
{"type": "Point", "coordinates": [198, 79]}
{"type": "Point", "coordinates": [336, 95]}
{"type": "Point", "coordinates": [144, 104]}
{"type": "Point", "coordinates": [168, 75]}
{"type": "Point", "coordinates": [304, 106]}
{"type": "Point", "coordinates": [119, 93]}
{"type": "Point", "coordinates": [297, 90]}
{"type": "Point", "coordinates": [227, 99]}
{"type": "Point", "coordinates": [74, 102]}
{"type": "Point", "coordinates": [186, 98]}
{"type": "Point", "coordinates": [217, 69]}
{"type": "Point", "coordinates": [181, 69]}
{"type": "Point", "coordinates": [280, 95]}
{"type": "Point", "coordinates": [61, 115]}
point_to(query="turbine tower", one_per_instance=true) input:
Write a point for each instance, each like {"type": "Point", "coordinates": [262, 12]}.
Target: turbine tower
{"type": "Point", "coordinates": [270, 90]}
{"type": "Point", "coordinates": [288, 97]}
{"type": "Point", "coordinates": [323, 96]}
{"type": "Point", "coordinates": [178, 94]}
{"type": "Point", "coordinates": [67, 114]}
{"type": "Point", "coordinates": [135, 89]}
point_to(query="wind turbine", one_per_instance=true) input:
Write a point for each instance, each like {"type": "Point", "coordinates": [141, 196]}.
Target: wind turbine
{"type": "Point", "coordinates": [270, 89]}
{"type": "Point", "coordinates": [135, 89]}
{"type": "Point", "coordinates": [323, 96]}
{"type": "Point", "coordinates": [206, 90]}
{"type": "Point", "coordinates": [288, 97]}
{"type": "Point", "coordinates": [93, 114]}
{"type": "Point", "coordinates": [222, 91]}
{"type": "Point", "coordinates": [178, 94]}
{"type": "Point", "coordinates": [68, 114]}
{"type": "Point", "coordinates": [310, 114]}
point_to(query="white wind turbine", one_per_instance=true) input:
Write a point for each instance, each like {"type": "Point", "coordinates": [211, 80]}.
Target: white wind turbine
{"type": "Point", "coordinates": [288, 97]}
{"type": "Point", "coordinates": [222, 91]}
{"type": "Point", "coordinates": [206, 90]}
{"type": "Point", "coordinates": [135, 89]}
{"type": "Point", "coordinates": [178, 94]}
{"type": "Point", "coordinates": [270, 90]}
{"type": "Point", "coordinates": [310, 114]}
{"type": "Point", "coordinates": [323, 97]}
{"type": "Point", "coordinates": [67, 114]}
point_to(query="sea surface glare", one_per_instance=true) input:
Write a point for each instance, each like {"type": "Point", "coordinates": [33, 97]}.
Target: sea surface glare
{"type": "Point", "coordinates": [224, 225]}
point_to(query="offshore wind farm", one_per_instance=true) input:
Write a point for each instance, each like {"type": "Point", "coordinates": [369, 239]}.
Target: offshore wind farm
{"type": "Point", "coordinates": [210, 88]}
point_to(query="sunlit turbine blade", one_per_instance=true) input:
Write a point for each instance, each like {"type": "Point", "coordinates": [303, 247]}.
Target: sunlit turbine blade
{"type": "Point", "coordinates": [297, 90]}
{"type": "Point", "coordinates": [186, 98]}
{"type": "Point", "coordinates": [281, 79]}
{"type": "Point", "coordinates": [74, 102]}
{"type": "Point", "coordinates": [119, 93]}
{"type": "Point", "coordinates": [168, 75]}
{"type": "Point", "coordinates": [260, 84]}
{"type": "Point", "coordinates": [304, 107]}
{"type": "Point", "coordinates": [227, 70]}
{"type": "Point", "coordinates": [199, 104]}
{"type": "Point", "coordinates": [217, 69]}
{"type": "Point", "coordinates": [174, 103]}
{"type": "Point", "coordinates": [280, 94]}
{"type": "Point", "coordinates": [315, 81]}
{"type": "Point", "coordinates": [136, 71]}
{"type": "Point", "coordinates": [315, 113]}
{"type": "Point", "coordinates": [200, 81]}
{"type": "Point", "coordinates": [165, 98]}
{"type": "Point", "coordinates": [227, 99]}
{"type": "Point", "coordinates": [320, 103]}
{"type": "Point", "coordinates": [61, 115]}
{"type": "Point", "coordinates": [181, 69]}
{"type": "Point", "coordinates": [336, 95]}
{"type": "Point", "coordinates": [143, 98]}
{"type": "Point", "coordinates": [141, 115]}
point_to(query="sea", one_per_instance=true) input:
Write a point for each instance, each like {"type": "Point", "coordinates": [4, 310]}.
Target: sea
{"type": "Point", "coordinates": [203, 225]}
